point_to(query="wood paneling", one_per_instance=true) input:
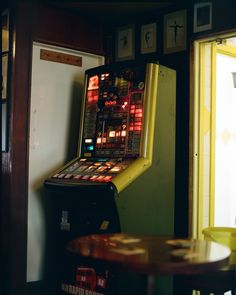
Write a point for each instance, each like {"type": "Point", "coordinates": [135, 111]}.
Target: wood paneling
{"type": "Point", "coordinates": [52, 26]}
{"type": "Point", "coordinates": [67, 28]}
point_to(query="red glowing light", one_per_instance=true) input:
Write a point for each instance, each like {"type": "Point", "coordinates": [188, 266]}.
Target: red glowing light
{"type": "Point", "coordinates": [138, 111]}
{"type": "Point", "coordinates": [93, 82]}
{"type": "Point", "coordinates": [92, 96]}
{"type": "Point", "coordinates": [100, 178]}
{"type": "Point", "coordinates": [107, 178]}
{"type": "Point", "coordinates": [110, 103]}
{"type": "Point", "coordinates": [93, 178]}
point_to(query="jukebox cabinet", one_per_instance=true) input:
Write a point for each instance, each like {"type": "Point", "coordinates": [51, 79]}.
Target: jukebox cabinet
{"type": "Point", "coordinates": [123, 177]}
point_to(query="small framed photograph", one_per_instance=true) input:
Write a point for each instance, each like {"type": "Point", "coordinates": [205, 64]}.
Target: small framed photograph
{"type": "Point", "coordinates": [175, 31]}
{"type": "Point", "coordinates": [202, 18]}
{"type": "Point", "coordinates": [125, 43]}
{"type": "Point", "coordinates": [4, 75]}
{"type": "Point", "coordinates": [5, 31]}
{"type": "Point", "coordinates": [148, 38]}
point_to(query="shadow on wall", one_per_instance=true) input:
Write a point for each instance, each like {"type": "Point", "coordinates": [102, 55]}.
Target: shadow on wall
{"type": "Point", "coordinates": [75, 122]}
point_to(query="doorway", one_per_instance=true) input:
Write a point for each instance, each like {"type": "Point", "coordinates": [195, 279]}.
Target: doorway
{"type": "Point", "coordinates": [56, 99]}
{"type": "Point", "coordinates": [214, 134]}
{"type": "Point", "coordinates": [225, 138]}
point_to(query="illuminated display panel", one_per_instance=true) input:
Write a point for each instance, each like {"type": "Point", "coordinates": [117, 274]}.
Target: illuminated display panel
{"type": "Point", "coordinates": [113, 114]}
{"type": "Point", "coordinates": [95, 170]}
{"type": "Point", "coordinates": [112, 128]}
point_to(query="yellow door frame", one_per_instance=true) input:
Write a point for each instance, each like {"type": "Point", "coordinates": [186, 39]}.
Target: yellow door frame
{"type": "Point", "coordinates": [202, 132]}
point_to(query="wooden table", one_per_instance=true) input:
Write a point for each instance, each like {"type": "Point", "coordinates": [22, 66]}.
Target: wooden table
{"type": "Point", "coordinates": [151, 255]}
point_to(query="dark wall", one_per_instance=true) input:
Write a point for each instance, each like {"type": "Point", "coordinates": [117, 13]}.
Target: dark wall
{"type": "Point", "coordinates": [180, 62]}
{"type": "Point", "coordinates": [31, 22]}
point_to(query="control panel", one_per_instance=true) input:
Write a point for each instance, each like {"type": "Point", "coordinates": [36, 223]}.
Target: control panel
{"type": "Point", "coordinates": [112, 126]}
{"type": "Point", "coordinates": [92, 170]}
{"type": "Point", "coordinates": [113, 114]}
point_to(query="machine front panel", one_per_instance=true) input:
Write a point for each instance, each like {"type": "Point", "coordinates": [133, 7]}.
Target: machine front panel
{"type": "Point", "coordinates": [113, 114]}
{"type": "Point", "coordinates": [91, 170]}
{"type": "Point", "coordinates": [112, 126]}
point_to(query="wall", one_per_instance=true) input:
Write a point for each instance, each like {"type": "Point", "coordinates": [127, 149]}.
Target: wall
{"type": "Point", "coordinates": [49, 25]}
{"type": "Point", "coordinates": [178, 61]}
{"type": "Point", "coordinates": [56, 97]}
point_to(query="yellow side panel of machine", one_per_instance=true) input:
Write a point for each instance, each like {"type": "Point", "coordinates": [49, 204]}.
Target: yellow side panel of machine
{"type": "Point", "coordinates": [146, 205]}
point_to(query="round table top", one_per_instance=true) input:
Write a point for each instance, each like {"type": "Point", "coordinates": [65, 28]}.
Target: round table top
{"type": "Point", "coordinates": [152, 254]}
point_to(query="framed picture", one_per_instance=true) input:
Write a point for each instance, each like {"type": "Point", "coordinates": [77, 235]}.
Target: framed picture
{"type": "Point", "coordinates": [175, 31]}
{"type": "Point", "coordinates": [202, 18]}
{"type": "Point", "coordinates": [125, 43]}
{"type": "Point", "coordinates": [5, 31]}
{"type": "Point", "coordinates": [148, 38]}
{"type": "Point", "coordinates": [4, 75]}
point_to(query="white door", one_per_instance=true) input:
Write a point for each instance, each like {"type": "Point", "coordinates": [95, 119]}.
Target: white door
{"type": "Point", "coordinates": [56, 93]}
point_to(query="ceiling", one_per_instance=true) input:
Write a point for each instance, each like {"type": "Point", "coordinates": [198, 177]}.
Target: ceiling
{"type": "Point", "coordinates": [117, 9]}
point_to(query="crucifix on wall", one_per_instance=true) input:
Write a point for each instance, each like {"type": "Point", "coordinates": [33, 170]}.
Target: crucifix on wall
{"type": "Point", "coordinates": [175, 31]}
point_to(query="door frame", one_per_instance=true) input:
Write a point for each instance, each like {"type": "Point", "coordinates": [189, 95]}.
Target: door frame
{"type": "Point", "coordinates": [195, 174]}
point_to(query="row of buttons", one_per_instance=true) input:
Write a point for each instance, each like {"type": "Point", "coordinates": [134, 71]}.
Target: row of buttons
{"type": "Point", "coordinates": [99, 178]}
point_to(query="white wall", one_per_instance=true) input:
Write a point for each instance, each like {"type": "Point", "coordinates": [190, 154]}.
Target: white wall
{"type": "Point", "coordinates": [56, 91]}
